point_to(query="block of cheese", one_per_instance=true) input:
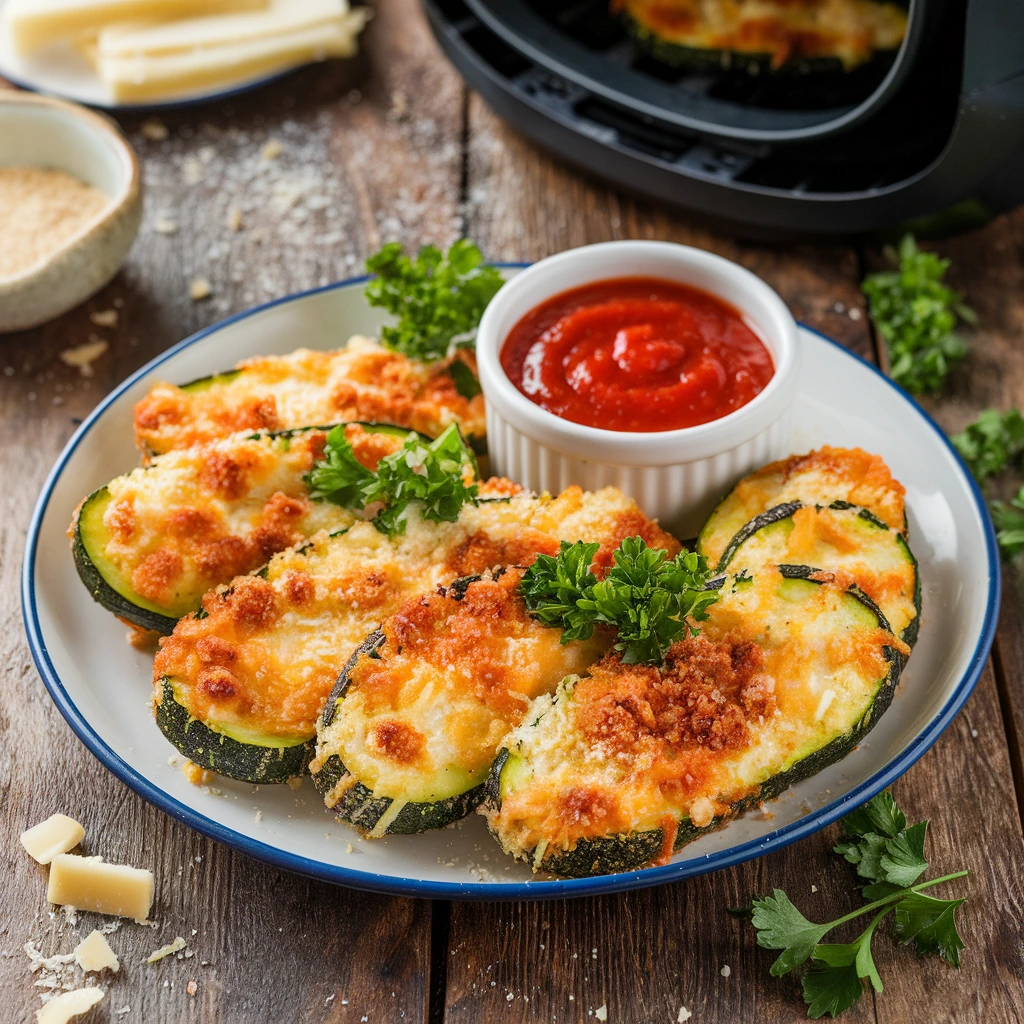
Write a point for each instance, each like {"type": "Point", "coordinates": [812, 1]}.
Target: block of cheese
{"type": "Point", "coordinates": [89, 883]}
{"type": "Point", "coordinates": [57, 834]}
{"type": "Point", "coordinates": [32, 24]}
{"type": "Point", "coordinates": [60, 1009]}
{"type": "Point", "coordinates": [183, 35]}
{"type": "Point", "coordinates": [93, 953]}
{"type": "Point", "coordinates": [142, 77]}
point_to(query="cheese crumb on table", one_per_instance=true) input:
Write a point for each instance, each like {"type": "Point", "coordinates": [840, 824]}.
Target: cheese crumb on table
{"type": "Point", "coordinates": [725, 971]}
{"type": "Point", "coordinates": [56, 835]}
{"type": "Point", "coordinates": [155, 130]}
{"type": "Point", "coordinates": [84, 355]}
{"type": "Point", "coordinates": [601, 1013]}
{"type": "Point", "coordinates": [200, 289]}
{"type": "Point", "coordinates": [93, 953]}
{"type": "Point", "coordinates": [105, 317]}
{"type": "Point", "coordinates": [684, 1015]}
{"type": "Point", "coordinates": [41, 210]}
{"type": "Point", "coordinates": [62, 1008]}
{"type": "Point", "coordinates": [272, 150]}
{"type": "Point", "coordinates": [89, 883]}
{"type": "Point", "coordinates": [172, 947]}
{"type": "Point", "coordinates": [235, 218]}
{"type": "Point", "coordinates": [165, 226]}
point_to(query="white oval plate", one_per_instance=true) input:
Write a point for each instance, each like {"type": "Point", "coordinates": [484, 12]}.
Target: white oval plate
{"type": "Point", "coordinates": [61, 70]}
{"type": "Point", "coordinates": [101, 685]}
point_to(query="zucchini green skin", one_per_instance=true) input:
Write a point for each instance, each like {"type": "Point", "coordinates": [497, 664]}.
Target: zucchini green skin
{"type": "Point", "coordinates": [358, 806]}
{"type": "Point", "coordinates": [129, 606]}
{"type": "Point", "coordinates": [633, 851]}
{"type": "Point", "coordinates": [248, 762]}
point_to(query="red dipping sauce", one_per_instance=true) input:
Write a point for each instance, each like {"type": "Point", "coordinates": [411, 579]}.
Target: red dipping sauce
{"type": "Point", "coordinates": [636, 354]}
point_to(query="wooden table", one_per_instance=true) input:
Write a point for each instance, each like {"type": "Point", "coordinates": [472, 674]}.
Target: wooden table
{"type": "Point", "coordinates": [395, 146]}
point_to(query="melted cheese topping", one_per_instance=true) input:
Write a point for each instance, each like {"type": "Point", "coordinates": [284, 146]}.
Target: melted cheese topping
{"type": "Point", "coordinates": [362, 381]}
{"type": "Point", "coordinates": [819, 478]}
{"type": "Point", "coordinates": [426, 714]}
{"type": "Point", "coordinates": [848, 30]}
{"type": "Point", "coordinates": [198, 517]}
{"type": "Point", "coordinates": [628, 749]}
{"type": "Point", "coordinates": [873, 556]}
{"type": "Point", "coordinates": [263, 659]}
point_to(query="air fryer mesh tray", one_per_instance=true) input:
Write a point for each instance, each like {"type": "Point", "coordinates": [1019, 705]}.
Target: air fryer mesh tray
{"type": "Point", "coordinates": [579, 40]}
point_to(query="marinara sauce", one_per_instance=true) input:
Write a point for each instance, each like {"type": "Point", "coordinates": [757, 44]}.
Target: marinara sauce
{"type": "Point", "coordinates": [636, 353]}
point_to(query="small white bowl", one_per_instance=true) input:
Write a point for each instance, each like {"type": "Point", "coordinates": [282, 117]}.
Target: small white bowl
{"type": "Point", "coordinates": [674, 475]}
{"type": "Point", "coordinates": [43, 132]}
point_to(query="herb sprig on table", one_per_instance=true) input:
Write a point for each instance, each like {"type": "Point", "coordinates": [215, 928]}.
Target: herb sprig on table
{"type": "Point", "coordinates": [439, 476]}
{"type": "Point", "coordinates": [889, 856]}
{"type": "Point", "coordinates": [916, 315]}
{"type": "Point", "coordinates": [651, 600]}
{"type": "Point", "coordinates": [438, 298]}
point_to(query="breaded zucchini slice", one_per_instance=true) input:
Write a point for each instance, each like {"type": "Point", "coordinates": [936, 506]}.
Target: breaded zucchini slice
{"type": "Point", "coordinates": [625, 765]}
{"type": "Point", "coordinates": [255, 667]}
{"type": "Point", "coordinates": [417, 717]}
{"type": "Point", "coordinates": [810, 37]}
{"type": "Point", "coordinates": [362, 381]}
{"type": "Point", "coordinates": [839, 538]}
{"type": "Point", "coordinates": [821, 477]}
{"type": "Point", "coordinates": [150, 543]}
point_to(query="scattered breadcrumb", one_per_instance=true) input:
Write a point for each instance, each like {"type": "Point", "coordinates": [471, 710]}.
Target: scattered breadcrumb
{"type": "Point", "coordinates": [814, 888]}
{"type": "Point", "coordinates": [725, 971]}
{"type": "Point", "coordinates": [155, 130]}
{"type": "Point", "coordinates": [200, 289]}
{"type": "Point", "coordinates": [295, 782]}
{"type": "Point", "coordinates": [84, 355]}
{"type": "Point", "coordinates": [143, 639]}
{"type": "Point", "coordinates": [349, 848]}
{"type": "Point", "coordinates": [165, 226]}
{"type": "Point", "coordinates": [235, 218]}
{"type": "Point", "coordinates": [196, 775]}
{"type": "Point", "coordinates": [259, 817]}
{"type": "Point", "coordinates": [105, 317]}
{"type": "Point", "coordinates": [191, 988]}
{"type": "Point", "coordinates": [172, 947]}
{"type": "Point", "coordinates": [272, 150]}
{"type": "Point", "coordinates": [399, 103]}
{"type": "Point", "coordinates": [684, 1015]}
{"type": "Point", "coordinates": [124, 1009]}
{"type": "Point", "coordinates": [192, 171]}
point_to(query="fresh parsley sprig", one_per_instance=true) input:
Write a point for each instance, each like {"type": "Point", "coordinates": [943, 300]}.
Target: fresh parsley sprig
{"type": "Point", "coordinates": [650, 599]}
{"type": "Point", "coordinates": [438, 476]}
{"type": "Point", "coordinates": [992, 443]}
{"type": "Point", "coordinates": [916, 315]}
{"type": "Point", "coordinates": [1009, 522]}
{"type": "Point", "coordinates": [437, 297]}
{"type": "Point", "coordinates": [890, 856]}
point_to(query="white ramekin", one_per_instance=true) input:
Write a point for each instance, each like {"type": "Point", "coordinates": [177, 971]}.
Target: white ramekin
{"type": "Point", "coordinates": [676, 476]}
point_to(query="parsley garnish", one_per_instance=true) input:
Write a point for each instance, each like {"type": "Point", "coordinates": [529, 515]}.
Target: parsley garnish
{"type": "Point", "coordinates": [1009, 522]}
{"type": "Point", "coordinates": [432, 474]}
{"type": "Point", "coordinates": [891, 857]}
{"type": "Point", "coordinates": [915, 313]}
{"type": "Point", "coordinates": [993, 442]}
{"type": "Point", "coordinates": [437, 297]}
{"type": "Point", "coordinates": [649, 598]}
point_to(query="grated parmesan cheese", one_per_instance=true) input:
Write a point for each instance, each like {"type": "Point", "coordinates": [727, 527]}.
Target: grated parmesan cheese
{"type": "Point", "coordinates": [172, 947]}
{"type": "Point", "coordinates": [83, 356]}
{"type": "Point", "coordinates": [93, 953]}
{"type": "Point", "coordinates": [56, 835]}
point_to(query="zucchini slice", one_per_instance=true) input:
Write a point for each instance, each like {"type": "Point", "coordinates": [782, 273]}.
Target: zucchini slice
{"type": "Point", "coordinates": [837, 538]}
{"type": "Point", "coordinates": [410, 731]}
{"type": "Point", "coordinates": [150, 543]}
{"type": "Point", "coordinates": [264, 653]}
{"type": "Point", "coordinates": [625, 765]}
{"type": "Point", "coordinates": [827, 36]}
{"type": "Point", "coordinates": [821, 477]}
{"type": "Point", "coordinates": [362, 381]}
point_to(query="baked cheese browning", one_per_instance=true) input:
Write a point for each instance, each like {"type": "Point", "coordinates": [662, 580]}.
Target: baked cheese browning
{"type": "Point", "coordinates": [162, 536]}
{"type": "Point", "coordinates": [848, 540]}
{"type": "Point", "coordinates": [362, 381]}
{"type": "Point", "coordinates": [849, 31]}
{"type": "Point", "coordinates": [821, 477]}
{"type": "Point", "coordinates": [420, 716]}
{"type": "Point", "coordinates": [262, 658]}
{"type": "Point", "coordinates": [785, 676]}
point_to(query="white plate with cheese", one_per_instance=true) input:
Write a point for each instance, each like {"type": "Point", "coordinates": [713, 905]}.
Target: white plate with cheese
{"type": "Point", "coordinates": [153, 54]}
{"type": "Point", "coordinates": [102, 685]}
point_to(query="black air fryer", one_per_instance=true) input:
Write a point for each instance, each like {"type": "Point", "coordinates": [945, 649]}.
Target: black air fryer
{"type": "Point", "coordinates": [933, 136]}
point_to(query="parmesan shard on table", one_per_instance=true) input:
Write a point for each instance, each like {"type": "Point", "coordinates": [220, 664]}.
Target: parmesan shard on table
{"type": "Point", "coordinates": [93, 953]}
{"type": "Point", "coordinates": [89, 883]}
{"type": "Point", "coordinates": [62, 1008]}
{"type": "Point", "coordinates": [169, 950]}
{"type": "Point", "coordinates": [56, 835]}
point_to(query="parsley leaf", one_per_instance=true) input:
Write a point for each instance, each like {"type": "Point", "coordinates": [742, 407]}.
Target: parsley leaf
{"type": "Point", "coordinates": [880, 814]}
{"type": "Point", "coordinates": [930, 924]}
{"type": "Point", "coordinates": [830, 988]}
{"type": "Point", "coordinates": [437, 475]}
{"type": "Point", "coordinates": [437, 297]}
{"type": "Point", "coordinates": [915, 313]}
{"type": "Point", "coordinates": [650, 599]}
{"type": "Point", "coordinates": [904, 862]}
{"type": "Point", "coordinates": [991, 443]}
{"type": "Point", "coordinates": [781, 926]}
{"type": "Point", "coordinates": [1009, 523]}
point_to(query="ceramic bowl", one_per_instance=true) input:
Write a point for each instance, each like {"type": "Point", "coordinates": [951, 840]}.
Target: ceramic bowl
{"type": "Point", "coordinates": [44, 132]}
{"type": "Point", "coordinates": [676, 476]}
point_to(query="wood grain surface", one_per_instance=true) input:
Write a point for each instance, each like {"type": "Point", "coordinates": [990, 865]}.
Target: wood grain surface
{"type": "Point", "coordinates": [389, 146]}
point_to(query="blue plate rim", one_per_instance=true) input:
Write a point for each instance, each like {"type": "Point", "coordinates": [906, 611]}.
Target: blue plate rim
{"type": "Point", "coordinates": [557, 889]}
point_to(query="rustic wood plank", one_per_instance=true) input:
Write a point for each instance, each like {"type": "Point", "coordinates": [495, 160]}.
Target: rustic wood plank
{"type": "Point", "coordinates": [644, 955]}
{"type": "Point", "coordinates": [369, 151]}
